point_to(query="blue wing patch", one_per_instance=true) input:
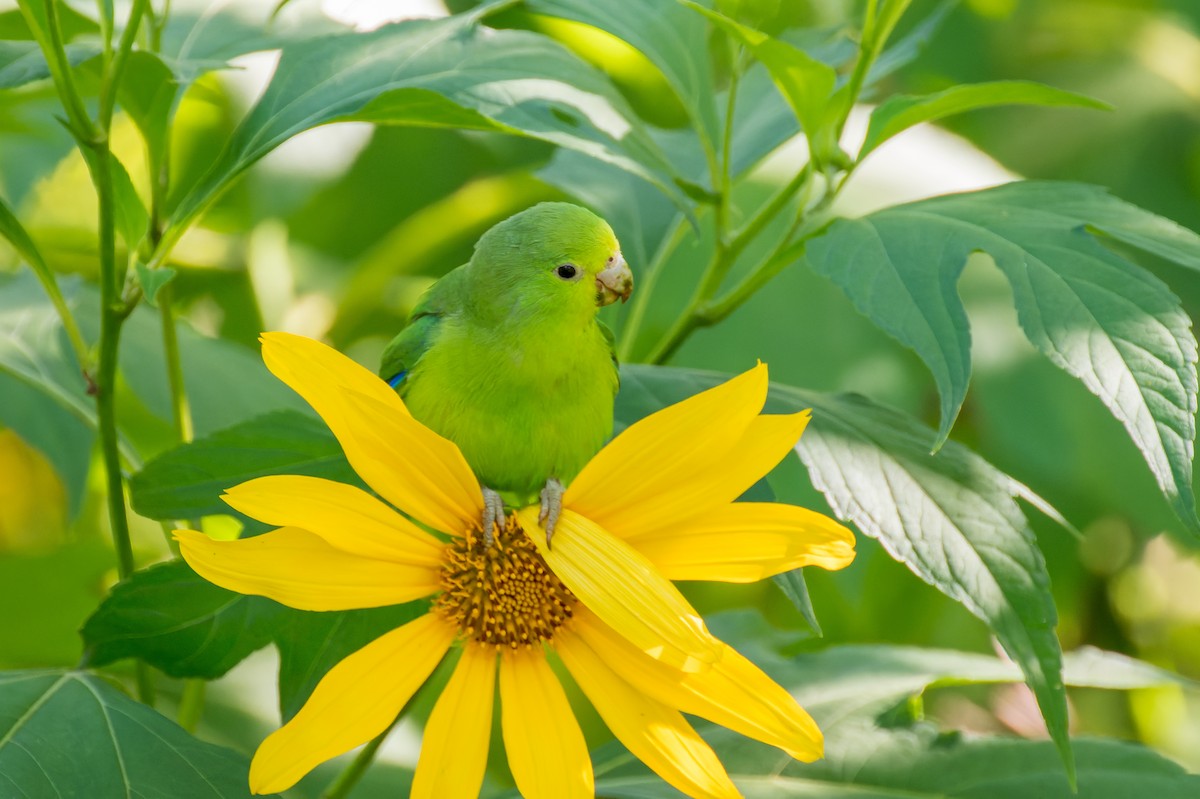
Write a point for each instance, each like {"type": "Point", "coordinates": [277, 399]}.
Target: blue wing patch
{"type": "Point", "coordinates": [397, 379]}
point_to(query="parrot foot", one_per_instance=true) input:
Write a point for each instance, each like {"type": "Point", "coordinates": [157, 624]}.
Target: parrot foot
{"type": "Point", "coordinates": [493, 515]}
{"type": "Point", "coordinates": [552, 505]}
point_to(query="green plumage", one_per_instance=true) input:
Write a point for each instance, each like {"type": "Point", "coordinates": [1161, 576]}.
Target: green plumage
{"type": "Point", "coordinates": [507, 359]}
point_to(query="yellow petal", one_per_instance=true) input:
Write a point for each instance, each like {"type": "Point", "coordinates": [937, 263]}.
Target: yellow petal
{"type": "Point", "coordinates": [657, 452]}
{"type": "Point", "coordinates": [656, 734]}
{"type": "Point", "coordinates": [747, 541]}
{"type": "Point", "coordinates": [408, 464]}
{"type": "Point", "coordinates": [623, 588]}
{"type": "Point", "coordinates": [343, 515]}
{"type": "Point", "coordinates": [326, 369]}
{"type": "Point", "coordinates": [454, 747]}
{"type": "Point", "coordinates": [766, 440]}
{"type": "Point", "coordinates": [353, 703]}
{"type": "Point", "coordinates": [546, 751]}
{"type": "Point", "coordinates": [734, 693]}
{"type": "Point", "coordinates": [297, 568]}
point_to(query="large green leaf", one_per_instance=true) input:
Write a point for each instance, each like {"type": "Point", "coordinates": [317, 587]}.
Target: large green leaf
{"type": "Point", "coordinates": [311, 643]}
{"type": "Point", "coordinates": [187, 482]}
{"type": "Point", "coordinates": [72, 734]}
{"type": "Point", "coordinates": [1099, 317]}
{"type": "Point", "coordinates": [444, 72]}
{"type": "Point", "coordinates": [178, 622]}
{"type": "Point", "coordinates": [951, 517]}
{"type": "Point", "coordinates": [900, 112]}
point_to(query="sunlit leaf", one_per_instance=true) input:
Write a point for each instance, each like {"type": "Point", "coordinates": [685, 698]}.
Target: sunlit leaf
{"type": "Point", "coordinates": [414, 72]}
{"type": "Point", "coordinates": [1104, 320]}
{"type": "Point", "coordinates": [72, 734]}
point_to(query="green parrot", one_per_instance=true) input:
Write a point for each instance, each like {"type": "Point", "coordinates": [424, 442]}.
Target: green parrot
{"type": "Point", "coordinates": [505, 357]}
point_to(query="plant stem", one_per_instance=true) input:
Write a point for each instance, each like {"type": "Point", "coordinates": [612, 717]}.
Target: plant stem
{"type": "Point", "coordinates": [696, 313]}
{"type": "Point", "coordinates": [641, 300]}
{"type": "Point", "coordinates": [341, 787]}
{"type": "Point", "coordinates": [55, 51]}
{"type": "Point", "coordinates": [191, 704]}
{"type": "Point", "coordinates": [116, 67]}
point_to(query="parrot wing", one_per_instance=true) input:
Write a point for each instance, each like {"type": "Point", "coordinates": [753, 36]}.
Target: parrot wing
{"type": "Point", "coordinates": [402, 353]}
{"type": "Point", "coordinates": [611, 339]}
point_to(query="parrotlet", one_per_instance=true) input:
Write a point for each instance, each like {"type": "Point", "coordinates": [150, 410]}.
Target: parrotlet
{"type": "Point", "coordinates": [505, 355]}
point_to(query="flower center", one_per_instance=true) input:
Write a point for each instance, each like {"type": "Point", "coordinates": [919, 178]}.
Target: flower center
{"type": "Point", "coordinates": [503, 594]}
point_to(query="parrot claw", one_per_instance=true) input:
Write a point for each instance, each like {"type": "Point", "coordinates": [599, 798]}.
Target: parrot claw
{"type": "Point", "coordinates": [493, 515]}
{"type": "Point", "coordinates": [552, 505]}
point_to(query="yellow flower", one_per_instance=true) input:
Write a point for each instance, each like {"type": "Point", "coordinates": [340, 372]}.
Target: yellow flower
{"type": "Point", "coordinates": [655, 505]}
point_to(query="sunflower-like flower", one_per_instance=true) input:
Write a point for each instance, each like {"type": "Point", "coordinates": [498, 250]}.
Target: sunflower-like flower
{"type": "Point", "coordinates": [655, 505]}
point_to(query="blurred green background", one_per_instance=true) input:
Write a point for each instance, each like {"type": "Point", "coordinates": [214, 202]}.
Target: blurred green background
{"type": "Point", "coordinates": [337, 233]}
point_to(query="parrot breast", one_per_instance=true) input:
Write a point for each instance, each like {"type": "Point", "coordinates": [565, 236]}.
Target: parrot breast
{"type": "Point", "coordinates": [521, 410]}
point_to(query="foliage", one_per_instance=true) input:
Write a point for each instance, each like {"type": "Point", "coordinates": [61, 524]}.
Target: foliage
{"type": "Point", "coordinates": [718, 138]}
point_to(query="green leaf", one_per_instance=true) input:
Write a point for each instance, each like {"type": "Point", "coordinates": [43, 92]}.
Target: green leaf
{"type": "Point", "coordinates": [1097, 316]}
{"type": "Point", "coordinates": [130, 216]}
{"type": "Point", "coordinates": [149, 94]}
{"type": "Point", "coordinates": [72, 734]}
{"type": "Point", "coordinates": [900, 112]}
{"type": "Point", "coordinates": [909, 46]}
{"type": "Point", "coordinates": [312, 643]}
{"type": "Point", "coordinates": [22, 62]}
{"type": "Point", "coordinates": [153, 280]}
{"type": "Point", "coordinates": [796, 590]}
{"type": "Point", "coordinates": [864, 681]}
{"type": "Point", "coordinates": [847, 688]}
{"type": "Point", "coordinates": [673, 39]}
{"type": "Point", "coordinates": [178, 622]}
{"type": "Point", "coordinates": [45, 394]}
{"type": "Point", "coordinates": [865, 762]}
{"type": "Point", "coordinates": [390, 75]}
{"type": "Point", "coordinates": [950, 518]}
{"type": "Point", "coordinates": [226, 383]}
{"type": "Point", "coordinates": [805, 82]}
{"type": "Point", "coordinates": [186, 482]}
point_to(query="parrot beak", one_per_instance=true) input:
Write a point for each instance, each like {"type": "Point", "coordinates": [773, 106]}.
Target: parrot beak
{"type": "Point", "coordinates": [615, 281]}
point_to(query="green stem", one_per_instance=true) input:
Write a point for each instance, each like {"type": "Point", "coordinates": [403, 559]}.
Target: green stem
{"type": "Point", "coordinates": [645, 289]}
{"type": "Point", "coordinates": [180, 409]}
{"type": "Point", "coordinates": [695, 314]}
{"type": "Point", "coordinates": [345, 782]}
{"type": "Point", "coordinates": [111, 318]}
{"type": "Point", "coordinates": [55, 52]}
{"type": "Point", "coordinates": [191, 704]}
{"type": "Point", "coordinates": [116, 67]}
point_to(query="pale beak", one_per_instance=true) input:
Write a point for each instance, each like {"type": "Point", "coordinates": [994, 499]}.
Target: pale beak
{"type": "Point", "coordinates": [615, 281]}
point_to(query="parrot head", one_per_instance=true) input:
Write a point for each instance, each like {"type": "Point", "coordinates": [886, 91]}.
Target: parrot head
{"type": "Point", "coordinates": [553, 258]}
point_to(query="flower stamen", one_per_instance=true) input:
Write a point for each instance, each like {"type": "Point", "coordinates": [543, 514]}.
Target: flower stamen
{"type": "Point", "coordinates": [502, 593]}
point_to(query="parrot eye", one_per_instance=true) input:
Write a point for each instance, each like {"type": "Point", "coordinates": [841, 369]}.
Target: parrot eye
{"type": "Point", "coordinates": [566, 271]}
